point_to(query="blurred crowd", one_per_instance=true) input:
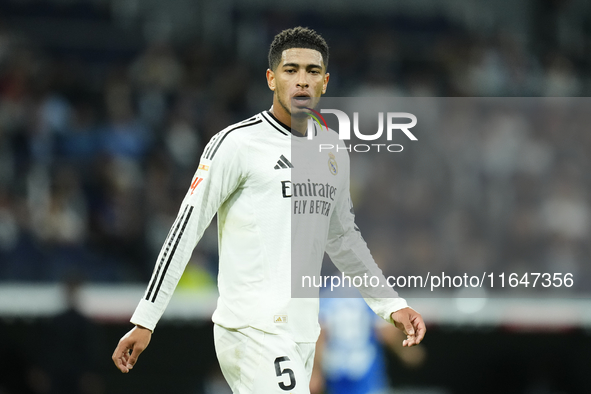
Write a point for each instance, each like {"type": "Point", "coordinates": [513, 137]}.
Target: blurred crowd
{"type": "Point", "coordinates": [495, 185]}
{"type": "Point", "coordinates": [95, 156]}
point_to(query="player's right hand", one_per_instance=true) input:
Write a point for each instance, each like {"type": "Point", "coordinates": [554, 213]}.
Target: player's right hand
{"type": "Point", "coordinates": [130, 347]}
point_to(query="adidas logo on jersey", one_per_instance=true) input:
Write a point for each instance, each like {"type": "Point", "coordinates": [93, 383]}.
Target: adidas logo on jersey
{"type": "Point", "coordinates": [283, 163]}
{"type": "Point", "coordinates": [280, 318]}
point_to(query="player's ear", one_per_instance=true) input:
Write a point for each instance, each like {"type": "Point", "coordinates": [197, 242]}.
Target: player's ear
{"type": "Point", "coordinates": [271, 79]}
{"type": "Point", "coordinates": [325, 84]}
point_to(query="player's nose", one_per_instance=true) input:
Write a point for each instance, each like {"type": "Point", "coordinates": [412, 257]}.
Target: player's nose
{"type": "Point", "coordinates": [302, 81]}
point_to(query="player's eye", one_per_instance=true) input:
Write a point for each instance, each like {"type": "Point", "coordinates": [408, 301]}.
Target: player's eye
{"type": "Point", "coordinates": [290, 71]}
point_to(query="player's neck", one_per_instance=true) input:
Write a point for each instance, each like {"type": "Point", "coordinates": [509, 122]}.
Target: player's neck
{"type": "Point", "coordinates": [296, 125]}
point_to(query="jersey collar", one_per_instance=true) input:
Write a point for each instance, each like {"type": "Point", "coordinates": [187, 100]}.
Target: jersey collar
{"type": "Point", "coordinates": [280, 126]}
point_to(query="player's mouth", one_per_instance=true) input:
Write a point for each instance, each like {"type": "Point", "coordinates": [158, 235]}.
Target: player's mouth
{"type": "Point", "coordinates": [302, 99]}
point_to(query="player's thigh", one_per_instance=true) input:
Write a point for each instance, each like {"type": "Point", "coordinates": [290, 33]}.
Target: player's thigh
{"type": "Point", "coordinates": [234, 357]}
{"type": "Point", "coordinates": [282, 367]}
{"type": "Point", "coordinates": [256, 362]}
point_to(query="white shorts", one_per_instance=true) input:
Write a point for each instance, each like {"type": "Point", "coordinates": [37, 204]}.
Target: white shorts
{"type": "Point", "coordinates": [255, 362]}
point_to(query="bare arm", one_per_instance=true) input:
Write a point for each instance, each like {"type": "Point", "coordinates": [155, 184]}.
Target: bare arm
{"type": "Point", "coordinates": [317, 380]}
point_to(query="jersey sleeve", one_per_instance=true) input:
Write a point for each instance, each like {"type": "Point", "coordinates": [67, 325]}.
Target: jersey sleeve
{"type": "Point", "coordinates": [350, 254]}
{"type": "Point", "coordinates": [221, 171]}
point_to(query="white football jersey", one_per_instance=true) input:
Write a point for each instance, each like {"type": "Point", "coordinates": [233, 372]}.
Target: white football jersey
{"type": "Point", "coordinates": [277, 206]}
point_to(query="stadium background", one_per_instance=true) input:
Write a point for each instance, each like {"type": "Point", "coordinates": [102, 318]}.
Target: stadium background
{"type": "Point", "coordinates": [106, 105]}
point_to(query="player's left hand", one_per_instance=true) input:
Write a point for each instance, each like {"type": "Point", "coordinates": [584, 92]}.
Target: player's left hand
{"type": "Point", "coordinates": [411, 323]}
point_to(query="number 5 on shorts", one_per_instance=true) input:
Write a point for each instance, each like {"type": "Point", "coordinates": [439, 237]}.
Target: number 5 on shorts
{"type": "Point", "coordinates": [288, 371]}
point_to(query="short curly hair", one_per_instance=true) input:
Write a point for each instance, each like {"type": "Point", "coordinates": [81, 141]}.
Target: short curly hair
{"type": "Point", "coordinates": [297, 37]}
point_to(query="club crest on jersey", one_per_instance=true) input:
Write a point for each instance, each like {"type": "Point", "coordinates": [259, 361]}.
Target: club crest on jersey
{"type": "Point", "coordinates": [332, 164]}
